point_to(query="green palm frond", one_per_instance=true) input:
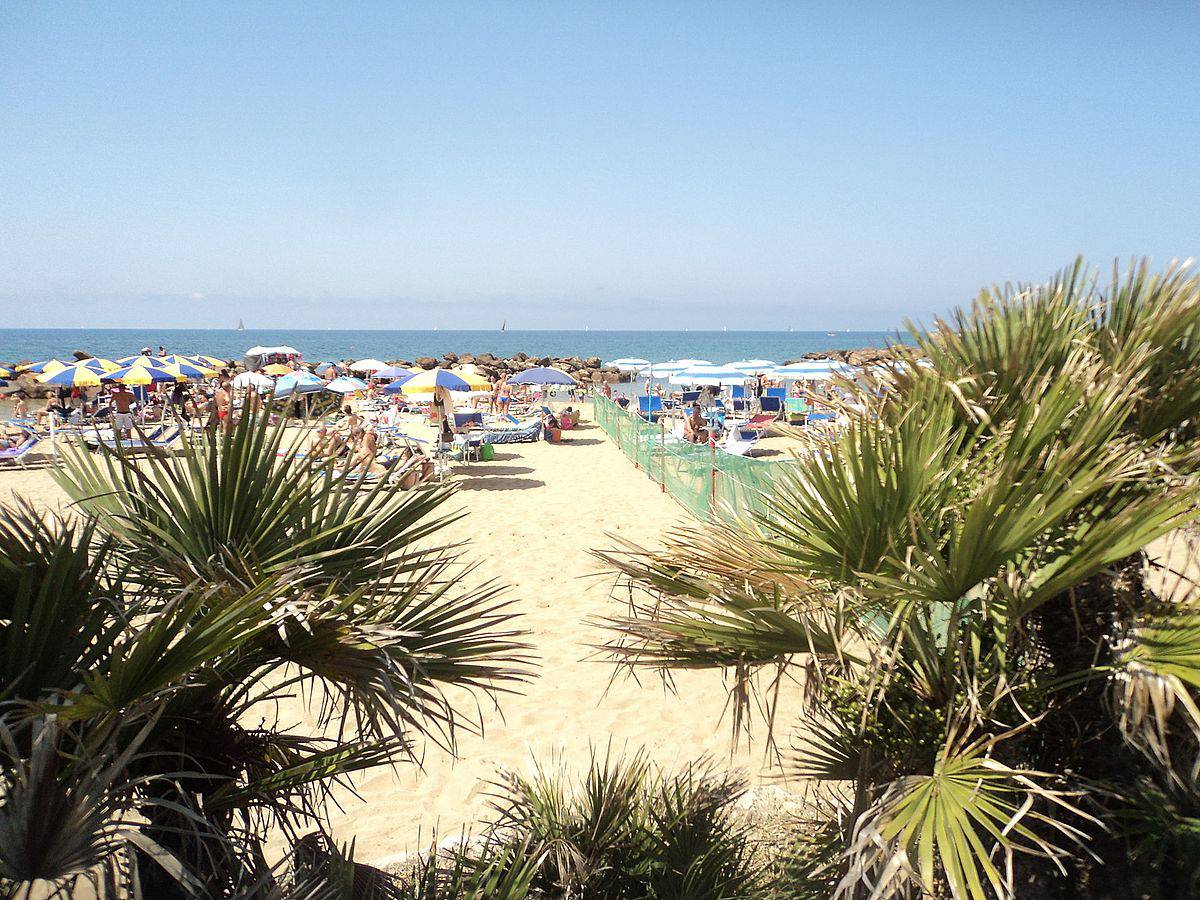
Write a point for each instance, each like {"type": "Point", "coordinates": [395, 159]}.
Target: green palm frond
{"type": "Point", "coordinates": [948, 827]}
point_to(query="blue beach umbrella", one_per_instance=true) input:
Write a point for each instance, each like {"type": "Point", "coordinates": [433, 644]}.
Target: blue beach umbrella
{"type": "Point", "coordinates": [543, 375]}
{"type": "Point", "coordinates": [390, 372]}
{"type": "Point", "coordinates": [346, 385]}
{"type": "Point", "coordinates": [299, 383]}
{"type": "Point", "coordinates": [140, 374]}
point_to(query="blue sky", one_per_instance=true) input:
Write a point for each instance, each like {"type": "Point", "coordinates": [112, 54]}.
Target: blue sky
{"type": "Point", "coordinates": [750, 165]}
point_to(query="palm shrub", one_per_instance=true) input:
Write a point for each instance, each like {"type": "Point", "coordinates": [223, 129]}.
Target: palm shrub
{"type": "Point", "coordinates": [624, 829]}
{"type": "Point", "coordinates": [145, 641]}
{"type": "Point", "coordinates": [1002, 694]}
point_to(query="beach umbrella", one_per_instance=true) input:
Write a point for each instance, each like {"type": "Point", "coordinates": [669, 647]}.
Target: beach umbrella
{"type": "Point", "coordinates": [189, 370]}
{"type": "Point", "coordinates": [40, 368]}
{"type": "Point", "coordinates": [754, 366]}
{"type": "Point", "coordinates": [212, 361]}
{"type": "Point", "coordinates": [253, 380]}
{"type": "Point", "coordinates": [144, 360]}
{"type": "Point", "coordinates": [694, 362]}
{"type": "Point", "coordinates": [393, 372]}
{"type": "Point", "coordinates": [814, 370]}
{"type": "Point", "coordinates": [6, 372]}
{"type": "Point", "coordinates": [323, 367]}
{"type": "Point", "coordinates": [473, 378]}
{"type": "Point", "coordinates": [368, 365]}
{"type": "Point", "coordinates": [628, 364]}
{"type": "Point", "coordinates": [140, 374]}
{"type": "Point", "coordinates": [543, 375]}
{"type": "Point", "coordinates": [662, 369]}
{"type": "Point", "coordinates": [709, 375]}
{"type": "Point", "coordinates": [427, 381]}
{"type": "Point", "coordinates": [298, 383]}
{"type": "Point", "coordinates": [277, 369]}
{"type": "Point", "coordinates": [71, 376]}
{"type": "Point", "coordinates": [346, 385]}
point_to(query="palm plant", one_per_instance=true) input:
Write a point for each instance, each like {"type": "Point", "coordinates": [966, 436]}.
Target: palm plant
{"type": "Point", "coordinates": [996, 683]}
{"type": "Point", "coordinates": [145, 642]}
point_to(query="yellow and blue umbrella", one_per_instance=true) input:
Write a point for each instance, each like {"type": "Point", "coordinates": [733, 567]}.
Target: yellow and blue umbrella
{"type": "Point", "coordinates": [427, 382]}
{"type": "Point", "coordinates": [144, 360]}
{"type": "Point", "coordinates": [141, 374]}
{"type": "Point", "coordinates": [40, 368]}
{"type": "Point", "coordinates": [6, 372]}
{"type": "Point", "coordinates": [189, 370]}
{"type": "Point", "coordinates": [71, 376]}
{"type": "Point", "coordinates": [96, 364]}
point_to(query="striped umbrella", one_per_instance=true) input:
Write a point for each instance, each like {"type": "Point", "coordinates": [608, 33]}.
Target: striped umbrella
{"type": "Point", "coordinates": [153, 361]}
{"type": "Point", "coordinates": [426, 382]}
{"type": "Point", "coordinates": [628, 364]}
{"type": "Point", "coordinates": [71, 376]}
{"type": "Point", "coordinates": [141, 374]}
{"type": "Point", "coordinates": [40, 368]}
{"type": "Point", "coordinates": [710, 375]}
{"type": "Point", "coordinates": [189, 370]}
{"type": "Point", "coordinates": [346, 385]}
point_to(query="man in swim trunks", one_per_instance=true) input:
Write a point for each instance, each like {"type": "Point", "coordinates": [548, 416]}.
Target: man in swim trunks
{"type": "Point", "coordinates": [223, 401]}
{"type": "Point", "coordinates": [122, 411]}
{"type": "Point", "coordinates": [695, 426]}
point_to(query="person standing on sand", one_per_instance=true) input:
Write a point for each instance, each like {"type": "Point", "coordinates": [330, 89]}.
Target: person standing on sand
{"type": "Point", "coordinates": [443, 406]}
{"type": "Point", "coordinates": [504, 397]}
{"type": "Point", "coordinates": [122, 411]}
{"type": "Point", "coordinates": [223, 401]}
{"type": "Point", "coordinates": [20, 408]}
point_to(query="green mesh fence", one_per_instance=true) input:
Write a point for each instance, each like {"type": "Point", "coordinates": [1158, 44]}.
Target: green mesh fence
{"type": "Point", "coordinates": [706, 481]}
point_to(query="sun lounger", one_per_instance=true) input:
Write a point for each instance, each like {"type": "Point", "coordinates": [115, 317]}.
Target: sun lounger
{"type": "Point", "coordinates": [524, 432]}
{"type": "Point", "coordinates": [650, 408]}
{"type": "Point", "coordinates": [152, 441]}
{"type": "Point", "coordinates": [741, 439]}
{"type": "Point", "coordinates": [19, 455]}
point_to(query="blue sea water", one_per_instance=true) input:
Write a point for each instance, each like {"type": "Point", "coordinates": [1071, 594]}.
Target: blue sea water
{"type": "Point", "coordinates": [34, 344]}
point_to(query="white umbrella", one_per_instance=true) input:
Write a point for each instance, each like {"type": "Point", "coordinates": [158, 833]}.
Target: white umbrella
{"type": "Point", "coordinates": [694, 362]}
{"type": "Point", "coordinates": [254, 380]}
{"type": "Point", "coordinates": [709, 375]}
{"type": "Point", "coordinates": [368, 365]}
{"type": "Point", "coordinates": [628, 364]}
{"type": "Point", "coordinates": [662, 370]}
{"type": "Point", "coordinates": [816, 370]}
{"type": "Point", "coordinates": [346, 385]}
{"type": "Point", "coordinates": [270, 351]}
{"type": "Point", "coordinates": [753, 365]}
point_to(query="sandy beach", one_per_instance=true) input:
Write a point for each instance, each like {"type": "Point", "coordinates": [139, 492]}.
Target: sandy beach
{"type": "Point", "coordinates": [534, 515]}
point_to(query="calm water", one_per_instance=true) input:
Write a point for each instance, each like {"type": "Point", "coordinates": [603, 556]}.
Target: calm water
{"type": "Point", "coordinates": [19, 344]}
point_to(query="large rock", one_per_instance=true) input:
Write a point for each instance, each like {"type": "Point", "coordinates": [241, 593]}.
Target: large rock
{"type": "Point", "coordinates": [426, 362]}
{"type": "Point", "coordinates": [592, 362]}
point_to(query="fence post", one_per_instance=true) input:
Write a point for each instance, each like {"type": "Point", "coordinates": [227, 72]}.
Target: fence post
{"type": "Point", "coordinates": [712, 480]}
{"type": "Point", "coordinates": [662, 455]}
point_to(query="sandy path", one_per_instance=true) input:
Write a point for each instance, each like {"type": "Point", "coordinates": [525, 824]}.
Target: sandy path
{"type": "Point", "coordinates": [534, 515]}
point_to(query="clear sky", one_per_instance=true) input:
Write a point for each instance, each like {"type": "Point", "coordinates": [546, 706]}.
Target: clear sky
{"type": "Point", "coordinates": [568, 164]}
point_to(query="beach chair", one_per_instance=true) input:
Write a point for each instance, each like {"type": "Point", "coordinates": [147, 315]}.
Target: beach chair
{"type": "Point", "coordinates": [463, 420]}
{"type": "Point", "coordinates": [778, 393]}
{"type": "Point", "coordinates": [19, 455]}
{"type": "Point", "coordinates": [795, 409]}
{"type": "Point", "coordinates": [650, 408]}
{"type": "Point", "coordinates": [739, 392]}
{"type": "Point", "coordinates": [770, 406]}
{"type": "Point", "coordinates": [741, 439]}
{"type": "Point", "coordinates": [687, 398]}
{"type": "Point", "coordinates": [150, 441]}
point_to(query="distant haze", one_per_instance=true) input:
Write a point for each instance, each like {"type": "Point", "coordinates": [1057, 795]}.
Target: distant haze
{"type": "Point", "coordinates": [569, 165]}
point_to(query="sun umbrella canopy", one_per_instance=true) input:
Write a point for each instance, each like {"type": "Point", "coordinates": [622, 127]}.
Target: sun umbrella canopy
{"type": "Point", "coordinates": [277, 369]}
{"type": "Point", "coordinates": [71, 376]}
{"type": "Point", "coordinates": [392, 372]}
{"type": "Point", "coordinates": [271, 351]}
{"type": "Point", "coordinates": [662, 369]}
{"type": "Point", "coordinates": [368, 365]}
{"type": "Point", "coordinates": [426, 382]}
{"type": "Point", "coordinates": [144, 360]}
{"type": "Point", "coordinates": [299, 383]}
{"type": "Point", "coordinates": [816, 370]}
{"type": "Point", "coordinates": [709, 375]}
{"type": "Point", "coordinates": [543, 375]}
{"type": "Point", "coordinates": [189, 370]}
{"type": "Point", "coordinates": [629, 364]}
{"type": "Point", "coordinates": [40, 368]}
{"type": "Point", "coordinates": [346, 385]}
{"type": "Point", "coordinates": [694, 362]}
{"type": "Point", "coordinates": [140, 374]}
{"type": "Point", "coordinates": [6, 372]}
{"type": "Point", "coordinates": [213, 361]}
{"type": "Point", "coordinates": [474, 379]}
{"type": "Point", "coordinates": [253, 380]}
{"type": "Point", "coordinates": [753, 365]}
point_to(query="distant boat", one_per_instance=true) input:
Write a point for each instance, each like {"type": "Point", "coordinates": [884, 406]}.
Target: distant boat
{"type": "Point", "coordinates": [241, 325]}
{"type": "Point", "coordinates": [831, 333]}
{"type": "Point", "coordinates": [504, 325]}
{"type": "Point", "coordinates": [724, 327]}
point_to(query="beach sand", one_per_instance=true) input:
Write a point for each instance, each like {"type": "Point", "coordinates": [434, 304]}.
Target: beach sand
{"type": "Point", "coordinates": [535, 512]}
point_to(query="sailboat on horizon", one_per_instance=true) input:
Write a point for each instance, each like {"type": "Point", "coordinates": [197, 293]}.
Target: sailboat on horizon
{"type": "Point", "coordinates": [504, 325]}
{"type": "Point", "coordinates": [241, 325]}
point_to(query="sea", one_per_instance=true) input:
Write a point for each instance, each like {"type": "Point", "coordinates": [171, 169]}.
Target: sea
{"type": "Point", "coordinates": [36, 344]}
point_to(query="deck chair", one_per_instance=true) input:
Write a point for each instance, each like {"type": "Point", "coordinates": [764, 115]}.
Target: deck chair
{"type": "Point", "coordinates": [154, 441]}
{"type": "Point", "coordinates": [650, 408]}
{"type": "Point", "coordinates": [738, 392]}
{"type": "Point", "coordinates": [687, 398]}
{"type": "Point", "coordinates": [461, 420]}
{"type": "Point", "coordinates": [771, 406]}
{"type": "Point", "coordinates": [19, 455]}
{"type": "Point", "coordinates": [778, 393]}
{"type": "Point", "coordinates": [741, 439]}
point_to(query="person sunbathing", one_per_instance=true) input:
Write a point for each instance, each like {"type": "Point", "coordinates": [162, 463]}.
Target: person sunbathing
{"type": "Point", "coordinates": [695, 426]}
{"type": "Point", "coordinates": [365, 452]}
{"type": "Point", "coordinates": [417, 467]}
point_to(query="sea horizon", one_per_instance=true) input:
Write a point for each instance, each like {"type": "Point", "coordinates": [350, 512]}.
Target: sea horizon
{"type": "Point", "coordinates": [319, 344]}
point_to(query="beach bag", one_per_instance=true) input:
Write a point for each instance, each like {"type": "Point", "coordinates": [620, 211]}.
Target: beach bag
{"type": "Point", "coordinates": [554, 435]}
{"type": "Point", "coordinates": [487, 452]}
